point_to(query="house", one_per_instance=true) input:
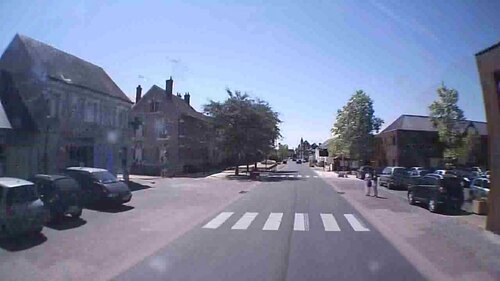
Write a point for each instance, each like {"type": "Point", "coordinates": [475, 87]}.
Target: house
{"type": "Point", "coordinates": [171, 136]}
{"type": "Point", "coordinates": [412, 140]}
{"type": "Point", "coordinates": [63, 111]}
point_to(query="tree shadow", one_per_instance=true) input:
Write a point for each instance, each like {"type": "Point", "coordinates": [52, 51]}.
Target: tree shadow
{"type": "Point", "coordinates": [65, 223]}
{"type": "Point", "coordinates": [110, 208]}
{"type": "Point", "coordinates": [22, 242]}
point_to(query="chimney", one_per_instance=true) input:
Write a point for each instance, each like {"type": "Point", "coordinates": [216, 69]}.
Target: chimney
{"type": "Point", "coordinates": [187, 97]}
{"type": "Point", "coordinates": [169, 87]}
{"type": "Point", "coordinates": [179, 95]}
{"type": "Point", "coordinates": [138, 93]}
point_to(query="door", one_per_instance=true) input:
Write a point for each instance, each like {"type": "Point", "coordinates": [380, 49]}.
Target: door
{"type": "Point", "coordinates": [428, 187]}
{"type": "Point", "coordinates": [417, 189]}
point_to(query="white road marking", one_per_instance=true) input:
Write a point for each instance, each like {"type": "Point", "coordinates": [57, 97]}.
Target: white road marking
{"type": "Point", "coordinates": [283, 176]}
{"type": "Point", "coordinates": [329, 222]}
{"type": "Point", "coordinates": [299, 176]}
{"type": "Point", "coordinates": [218, 220]}
{"type": "Point", "coordinates": [245, 221]}
{"type": "Point", "coordinates": [301, 222]}
{"type": "Point", "coordinates": [355, 223]}
{"type": "Point", "coordinates": [308, 176]}
{"type": "Point", "coordinates": [273, 221]}
{"type": "Point", "coordinates": [290, 176]}
{"type": "Point", "coordinates": [315, 176]}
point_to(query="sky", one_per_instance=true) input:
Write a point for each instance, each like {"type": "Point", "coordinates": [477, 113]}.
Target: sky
{"type": "Point", "coordinates": [306, 58]}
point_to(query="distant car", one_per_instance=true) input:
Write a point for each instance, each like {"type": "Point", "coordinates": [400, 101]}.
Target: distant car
{"type": "Point", "coordinates": [439, 192]}
{"type": "Point", "coordinates": [99, 185]}
{"type": "Point", "coordinates": [487, 174]}
{"type": "Point", "coordinates": [479, 187]}
{"type": "Point", "coordinates": [467, 174]}
{"type": "Point", "coordinates": [391, 176]}
{"type": "Point", "coordinates": [60, 194]}
{"type": "Point", "coordinates": [21, 210]}
{"type": "Point", "coordinates": [361, 172]}
{"type": "Point", "coordinates": [299, 161]}
{"type": "Point", "coordinates": [284, 161]}
{"type": "Point", "coordinates": [410, 177]}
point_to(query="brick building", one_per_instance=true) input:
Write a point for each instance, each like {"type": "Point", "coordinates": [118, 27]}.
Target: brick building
{"type": "Point", "coordinates": [171, 136]}
{"type": "Point", "coordinates": [412, 140]}
{"type": "Point", "coordinates": [63, 111]}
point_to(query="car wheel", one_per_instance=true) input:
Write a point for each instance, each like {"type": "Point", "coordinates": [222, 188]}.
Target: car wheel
{"type": "Point", "coordinates": [432, 206]}
{"type": "Point", "coordinates": [411, 198]}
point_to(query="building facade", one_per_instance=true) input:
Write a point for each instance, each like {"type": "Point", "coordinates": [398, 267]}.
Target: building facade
{"type": "Point", "coordinates": [412, 140]}
{"type": "Point", "coordinates": [171, 137]}
{"type": "Point", "coordinates": [64, 111]}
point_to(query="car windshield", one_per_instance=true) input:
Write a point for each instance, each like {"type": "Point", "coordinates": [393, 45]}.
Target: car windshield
{"type": "Point", "coordinates": [22, 194]}
{"type": "Point", "coordinates": [104, 177]}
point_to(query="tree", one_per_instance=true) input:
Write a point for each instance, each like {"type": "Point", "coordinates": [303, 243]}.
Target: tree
{"type": "Point", "coordinates": [445, 116]}
{"type": "Point", "coordinates": [247, 128]}
{"type": "Point", "coordinates": [282, 151]}
{"type": "Point", "coordinates": [354, 127]}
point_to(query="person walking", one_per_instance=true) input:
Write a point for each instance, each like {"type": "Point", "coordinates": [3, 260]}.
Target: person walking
{"type": "Point", "coordinates": [370, 184]}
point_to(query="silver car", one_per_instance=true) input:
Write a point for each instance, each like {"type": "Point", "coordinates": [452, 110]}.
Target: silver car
{"type": "Point", "coordinates": [21, 210]}
{"type": "Point", "coordinates": [479, 187]}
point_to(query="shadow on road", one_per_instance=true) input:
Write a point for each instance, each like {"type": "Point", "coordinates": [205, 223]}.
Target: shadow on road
{"type": "Point", "coordinates": [110, 208]}
{"type": "Point", "coordinates": [134, 186]}
{"type": "Point", "coordinates": [23, 242]}
{"type": "Point", "coordinates": [66, 223]}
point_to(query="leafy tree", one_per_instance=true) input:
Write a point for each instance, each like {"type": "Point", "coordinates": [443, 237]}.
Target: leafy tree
{"type": "Point", "coordinates": [282, 151]}
{"type": "Point", "coordinates": [354, 127]}
{"type": "Point", "coordinates": [445, 115]}
{"type": "Point", "coordinates": [247, 128]}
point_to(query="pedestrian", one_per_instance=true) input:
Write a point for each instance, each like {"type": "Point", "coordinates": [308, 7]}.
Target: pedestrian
{"type": "Point", "coordinates": [369, 185]}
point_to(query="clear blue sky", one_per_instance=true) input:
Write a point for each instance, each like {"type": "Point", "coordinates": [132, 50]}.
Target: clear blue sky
{"type": "Point", "coordinates": [305, 59]}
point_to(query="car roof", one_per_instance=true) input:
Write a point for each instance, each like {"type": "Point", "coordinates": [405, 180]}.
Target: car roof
{"type": "Point", "coordinates": [86, 169]}
{"type": "Point", "coordinates": [50, 177]}
{"type": "Point", "coordinates": [13, 182]}
{"type": "Point", "coordinates": [442, 176]}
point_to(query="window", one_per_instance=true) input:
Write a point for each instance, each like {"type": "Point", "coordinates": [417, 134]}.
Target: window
{"type": "Point", "coordinates": [155, 105]}
{"type": "Point", "coordinates": [429, 181]}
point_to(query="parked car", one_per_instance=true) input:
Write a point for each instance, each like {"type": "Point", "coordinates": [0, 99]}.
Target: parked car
{"type": "Point", "coordinates": [60, 194]}
{"type": "Point", "coordinates": [467, 174]}
{"type": "Point", "coordinates": [299, 161]}
{"type": "Point", "coordinates": [439, 192]}
{"type": "Point", "coordinates": [479, 187]}
{"type": "Point", "coordinates": [21, 210]}
{"type": "Point", "coordinates": [391, 177]}
{"type": "Point", "coordinates": [99, 185]}
{"type": "Point", "coordinates": [409, 177]}
{"type": "Point", "coordinates": [284, 161]}
{"type": "Point", "coordinates": [487, 174]}
{"type": "Point", "coordinates": [361, 172]}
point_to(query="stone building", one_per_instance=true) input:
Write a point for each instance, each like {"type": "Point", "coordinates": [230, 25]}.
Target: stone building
{"type": "Point", "coordinates": [170, 137]}
{"type": "Point", "coordinates": [63, 111]}
{"type": "Point", "coordinates": [412, 140]}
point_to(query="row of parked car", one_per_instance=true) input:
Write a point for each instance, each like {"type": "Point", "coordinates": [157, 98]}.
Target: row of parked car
{"type": "Point", "coordinates": [26, 205]}
{"type": "Point", "coordinates": [439, 189]}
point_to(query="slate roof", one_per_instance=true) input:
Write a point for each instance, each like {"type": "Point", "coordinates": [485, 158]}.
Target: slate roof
{"type": "Point", "coordinates": [179, 103]}
{"type": "Point", "coordinates": [423, 123]}
{"type": "Point", "coordinates": [56, 64]}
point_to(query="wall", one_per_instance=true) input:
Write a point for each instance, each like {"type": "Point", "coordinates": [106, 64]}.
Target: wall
{"type": "Point", "coordinates": [488, 64]}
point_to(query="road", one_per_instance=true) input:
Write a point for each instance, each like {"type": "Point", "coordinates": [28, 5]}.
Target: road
{"type": "Point", "coordinates": [293, 226]}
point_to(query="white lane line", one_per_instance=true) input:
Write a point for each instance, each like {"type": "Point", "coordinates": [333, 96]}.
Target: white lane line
{"type": "Point", "coordinates": [308, 176]}
{"type": "Point", "coordinates": [329, 222]}
{"type": "Point", "coordinates": [355, 223]}
{"type": "Point", "coordinates": [273, 221]}
{"type": "Point", "coordinates": [315, 176]}
{"type": "Point", "coordinates": [301, 222]}
{"type": "Point", "coordinates": [290, 176]}
{"type": "Point", "coordinates": [245, 221]}
{"type": "Point", "coordinates": [299, 176]}
{"type": "Point", "coordinates": [283, 176]}
{"type": "Point", "coordinates": [218, 220]}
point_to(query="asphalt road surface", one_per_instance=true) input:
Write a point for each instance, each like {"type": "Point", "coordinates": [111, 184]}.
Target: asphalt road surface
{"type": "Point", "coordinates": [292, 227]}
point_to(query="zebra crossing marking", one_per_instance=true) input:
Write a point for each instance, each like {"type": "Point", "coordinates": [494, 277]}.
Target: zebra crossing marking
{"type": "Point", "coordinates": [245, 221]}
{"type": "Point", "coordinates": [218, 220]}
{"type": "Point", "coordinates": [355, 223]}
{"type": "Point", "coordinates": [329, 222]}
{"type": "Point", "coordinates": [301, 222]}
{"type": "Point", "coordinates": [273, 221]}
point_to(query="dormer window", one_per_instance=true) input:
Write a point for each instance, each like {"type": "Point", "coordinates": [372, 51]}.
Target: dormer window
{"type": "Point", "coordinates": [155, 106]}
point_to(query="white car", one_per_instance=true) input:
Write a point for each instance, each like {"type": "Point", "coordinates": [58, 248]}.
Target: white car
{"type": "Point", "coordinates": [21, 210]}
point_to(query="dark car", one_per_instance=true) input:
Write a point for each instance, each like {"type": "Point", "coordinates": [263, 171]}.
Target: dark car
{"type": "Point", "coordinates": [361, 172]}
{"type": "Point", "coordinates": [99, 185]}
{"type": "Point", "coordinates": [299, 161]}
{"type": "Point", "coordinates": [439, 192]}
{"type": "Point", "coordinates": [409, 177]}
{"type": "Point", "coordinates": [284, 161]}
{"type": "Point", "coordinates": [60, 194]}
{"type": "Point", "coordinates": [467, 175]}
{"type": "Point", "coordinates": [391, 177]}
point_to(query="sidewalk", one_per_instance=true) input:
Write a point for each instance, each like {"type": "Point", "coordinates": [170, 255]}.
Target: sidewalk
{"type": "Point", "coordinates": [442, 247]}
